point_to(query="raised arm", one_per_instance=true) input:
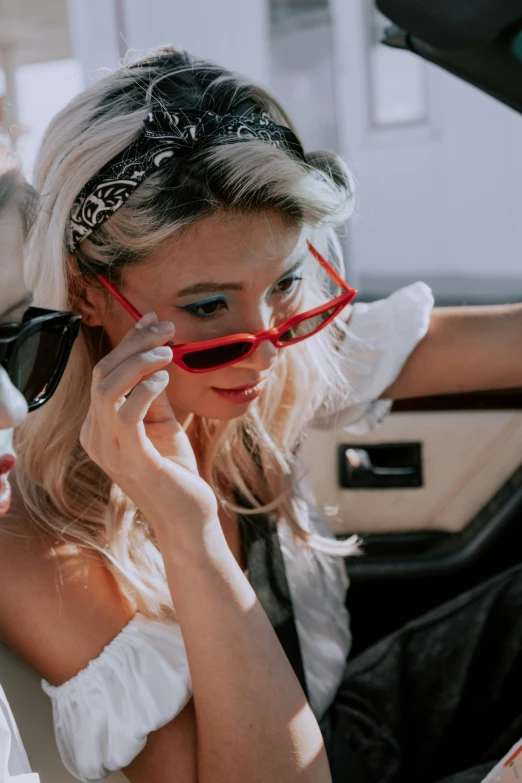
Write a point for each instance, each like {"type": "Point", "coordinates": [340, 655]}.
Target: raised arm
{"type": "Point", "coordinates": [465, 349]}
{"type": "Point", "coordinates": [252, 720]}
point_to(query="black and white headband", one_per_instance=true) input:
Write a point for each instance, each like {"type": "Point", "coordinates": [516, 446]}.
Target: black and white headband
{"type": "Point", "coordinates": [164, 135]}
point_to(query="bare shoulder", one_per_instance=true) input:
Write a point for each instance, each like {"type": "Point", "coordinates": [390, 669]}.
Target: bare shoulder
{"type": "Point", "coordinates": [59, 603]}
{"type": "Point", "coordinates": [59, 607]}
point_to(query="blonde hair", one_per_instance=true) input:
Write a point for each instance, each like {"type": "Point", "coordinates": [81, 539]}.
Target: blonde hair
{"type": "Point", "coordinates": [253, 455]}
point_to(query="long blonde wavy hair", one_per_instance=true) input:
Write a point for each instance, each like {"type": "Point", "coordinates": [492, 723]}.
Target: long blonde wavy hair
{"type": "Point", "coordinates": [64, 491]}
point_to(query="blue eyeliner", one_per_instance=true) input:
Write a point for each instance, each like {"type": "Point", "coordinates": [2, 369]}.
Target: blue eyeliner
{"type": "Point", "coordinates": [193, 307]}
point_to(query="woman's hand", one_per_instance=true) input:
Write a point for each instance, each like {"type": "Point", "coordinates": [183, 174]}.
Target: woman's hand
{"type": "Point", "coordinates": [131, 431]}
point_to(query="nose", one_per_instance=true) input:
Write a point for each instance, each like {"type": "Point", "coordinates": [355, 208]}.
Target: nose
{"type": "Point", "coordinates": [262, 358]}
{"type": "Point", "coordinates": [13, 407]}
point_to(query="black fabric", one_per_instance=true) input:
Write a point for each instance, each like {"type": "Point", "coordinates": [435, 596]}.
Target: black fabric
{"type": "Point", "coordinates": [439, 700]}
{"type": "Point", "coordinates": [267, 575]}
{"type": "Point", "coordinates": [475, 775]}
{"type": "Point", "coordinates": [452, 24]}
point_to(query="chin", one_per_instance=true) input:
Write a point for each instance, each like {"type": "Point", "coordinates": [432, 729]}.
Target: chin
{"type": "Point", "coordinates": [216, 410]}
{"type": "Point", "coordinates": [228, 416]}
{"type": "Point", "coordinates": [222, 412]}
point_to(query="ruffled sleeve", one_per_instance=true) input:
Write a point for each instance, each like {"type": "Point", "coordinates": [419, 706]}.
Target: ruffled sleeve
{"type": "Point", "coordinates": [103, 715]}
{"type": "Point", "coordinates": [381, 335]}
{"type": "Point", "coordinates": [14, 764]}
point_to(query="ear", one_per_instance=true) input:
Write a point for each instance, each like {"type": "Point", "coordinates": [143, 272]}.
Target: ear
{"type": "Point", "coordinates": [88, 298]}
{"type": "Point", "coordinates": [91, 305]}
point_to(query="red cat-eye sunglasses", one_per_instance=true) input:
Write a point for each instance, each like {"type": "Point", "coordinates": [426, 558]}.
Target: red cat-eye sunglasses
{"type": "Point", "coordinates": [209, 355]}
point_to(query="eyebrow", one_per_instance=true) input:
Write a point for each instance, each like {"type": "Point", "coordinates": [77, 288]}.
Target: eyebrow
{"type": "Point", "coordinates": [213, 288]}
{"type": "Point", "coordinates": [25, 301]}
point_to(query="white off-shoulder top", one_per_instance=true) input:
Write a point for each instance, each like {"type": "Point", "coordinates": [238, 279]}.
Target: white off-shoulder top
{"type": "Point", "coordinates": [141, 680]}
{"type": "Point", "coordinates": [14, 764]}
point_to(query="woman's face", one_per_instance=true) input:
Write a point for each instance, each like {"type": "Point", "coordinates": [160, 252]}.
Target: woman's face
{"type": "Point", "coordinates": [225, 275]}
{"type": "Point", "coordinates": [14, 300]}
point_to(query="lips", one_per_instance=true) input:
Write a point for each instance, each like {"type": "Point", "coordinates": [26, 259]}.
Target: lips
{"type": "Point", "coordinates": [241, 394]}
{"type": "Point", "coordinates": [240, 388]}
{"type": "Point", "coordinates": [7, 462]}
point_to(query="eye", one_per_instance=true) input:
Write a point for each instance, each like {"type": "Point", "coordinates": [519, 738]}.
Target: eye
{"type": "Point", "coordinates": [207, 309]}
{"type": "Point", "coordinates": [288, 285]}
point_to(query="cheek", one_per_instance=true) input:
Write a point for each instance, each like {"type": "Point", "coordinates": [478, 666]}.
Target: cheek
{"type": "Point", "coordinates": [191, 393]}
{"type": "Point", "coordinates": [185, 389]}
{"type": "Point", "coordinates": [116, 330]}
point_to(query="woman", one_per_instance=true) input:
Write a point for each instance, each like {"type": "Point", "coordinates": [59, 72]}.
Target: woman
{"type": "Point", "coordinates": [25, 371]}
{"type": "Point", "coordinates": [181, 210]}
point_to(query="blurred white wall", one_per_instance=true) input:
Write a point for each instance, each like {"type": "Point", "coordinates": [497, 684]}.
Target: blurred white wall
{"type": "Point", "coordinates": [438, 199]}
{"type": "Point", "coordinates": [439, 189]}
{"type": "Point", "coordinates": [302, 77]}
{"type": "Point", "coordinates": [231, 32]}
{"type": "Point", "coordinates": [94, 35]}
{"type": "Point", "coordinates": [234, 33]}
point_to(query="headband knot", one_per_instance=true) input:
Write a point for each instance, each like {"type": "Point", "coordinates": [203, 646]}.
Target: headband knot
{"type": "Point", "coordinates": [162, 136]}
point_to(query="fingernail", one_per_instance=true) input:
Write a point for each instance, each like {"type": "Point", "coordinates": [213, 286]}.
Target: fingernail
{"type": "Point", "coordinates": [164, 327]}
{"type": "Point", "coordinates": [159, 377]}
{"type": "Point", "coordinates": [146, 320]}
{"type": "Point", "coordinates": [162, 352]}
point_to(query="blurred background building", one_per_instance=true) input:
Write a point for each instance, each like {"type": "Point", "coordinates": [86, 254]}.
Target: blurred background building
{"type": "Point", "coordinates": [438, 164]}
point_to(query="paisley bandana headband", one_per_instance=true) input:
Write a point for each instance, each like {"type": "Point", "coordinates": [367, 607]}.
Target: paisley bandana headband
{"type": "Point", "coordinates": [164, 135]}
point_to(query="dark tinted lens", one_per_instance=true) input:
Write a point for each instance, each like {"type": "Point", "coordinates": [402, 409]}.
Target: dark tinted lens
{"type": "Point", "coordinates": [212, 357]}
{"type": "Point", "coordinates": [37, 361]}
{"type": "Point", "coordinates": [306, 327]}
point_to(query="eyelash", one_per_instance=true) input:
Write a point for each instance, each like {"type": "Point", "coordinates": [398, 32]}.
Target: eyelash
{"type": "Point", "coordinates": [193, 308]}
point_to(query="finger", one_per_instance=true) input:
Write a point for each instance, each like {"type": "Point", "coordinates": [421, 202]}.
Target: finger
{"type": "Point", "coordinates": [139, 339]}
{"type": "Point", "coordinates": [129, 418]}
{"type": "Point", "coordinates": [160, 409]}
{"type": "Point", "coordinates": [158, 439]}
{"type": "Point", "coordinates": [108, 394]}
{"type": "Point", "coordinates": [98, 441]}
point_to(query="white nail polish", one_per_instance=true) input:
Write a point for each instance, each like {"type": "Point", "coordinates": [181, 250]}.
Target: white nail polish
{"type": "Point", "coordinates": [146, 320]}
{"type": "Point", "coordinates": [159, 377]}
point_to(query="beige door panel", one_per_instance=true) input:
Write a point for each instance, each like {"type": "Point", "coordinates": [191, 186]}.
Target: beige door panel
{"type": "Point", "coordinates": [467, 456]}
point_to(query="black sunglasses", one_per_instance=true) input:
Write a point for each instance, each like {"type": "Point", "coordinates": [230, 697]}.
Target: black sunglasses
{"type": "Point", "coordinates": [34, 352]}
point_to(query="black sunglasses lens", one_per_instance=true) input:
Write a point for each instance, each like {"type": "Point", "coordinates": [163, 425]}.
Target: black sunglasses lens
{"type": "Point", "coordinates": [37, 362]}
{"type": "Point", "coordinates": [213, 357]}
{"type": "Point", "coordinates": [306, 328]}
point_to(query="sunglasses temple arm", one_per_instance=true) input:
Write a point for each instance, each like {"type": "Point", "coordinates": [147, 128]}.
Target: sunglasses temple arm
{"type": "Point", "coordinates": [336, 277]}
{"type": "Point", "coordinates": [119, 296]}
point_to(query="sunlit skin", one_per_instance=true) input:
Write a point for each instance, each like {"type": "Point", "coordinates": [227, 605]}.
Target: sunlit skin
{"type": "Point", "coordinates": [200, 544]}
{"type": "Point", "coordinates": [255, 252]}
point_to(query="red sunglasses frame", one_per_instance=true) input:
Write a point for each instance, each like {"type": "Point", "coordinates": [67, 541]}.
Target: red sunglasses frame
{"type": "Point", "coordinates": [179, 351]}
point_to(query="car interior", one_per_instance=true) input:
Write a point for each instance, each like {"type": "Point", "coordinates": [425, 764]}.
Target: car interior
{"type": "Point", "coordinates": [436, 491]}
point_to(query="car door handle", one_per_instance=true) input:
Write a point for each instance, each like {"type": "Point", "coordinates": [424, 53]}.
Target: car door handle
{"type": "Point", "coordinates": [359, 459]}
{"type": "Point", "coordinates": [380, 466]}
